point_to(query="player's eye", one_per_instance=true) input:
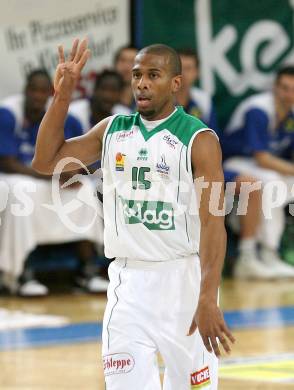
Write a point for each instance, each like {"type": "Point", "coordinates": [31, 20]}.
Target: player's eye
{"type": "Point", "coordinates": [153, 75]}
{"type": "Point", "coordinates": [136, 75]}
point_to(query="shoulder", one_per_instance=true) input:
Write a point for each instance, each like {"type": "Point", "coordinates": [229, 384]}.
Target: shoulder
{"type": "Point", "coordinates": [186, 126]}
{"type": "Point", "coordinates": [12, 107]}
{"type": "Point", "coordinates": [7, 118]}
{"type": "Point", "coordinates": [206, 151]}
{"type": "Point", "coordinates": [260, 105]}
{"type": "Point", "coordinates": [121, 122]}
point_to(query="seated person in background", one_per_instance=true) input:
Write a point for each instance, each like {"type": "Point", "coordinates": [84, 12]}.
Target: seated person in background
{"type": "Point", "coordinates": [259, 141]}
{"type": "Point", "coordinates": [123, 63]}
{"type": "Point", "coordinates": [20, 117]}
{"type": "Point", "coordinates": [198, 103]}
{"type": "Point", "coordinates": [106, 95]}
{"type": "Point", "coordinates": [195, 101]}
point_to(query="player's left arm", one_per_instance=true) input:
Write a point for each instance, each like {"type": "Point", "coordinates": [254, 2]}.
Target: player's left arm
{"type": "Point", "coordinates": [207, 163]}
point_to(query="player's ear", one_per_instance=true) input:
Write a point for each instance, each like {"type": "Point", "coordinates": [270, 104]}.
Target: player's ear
{"type": "Point", "coordinates": [176, 83]}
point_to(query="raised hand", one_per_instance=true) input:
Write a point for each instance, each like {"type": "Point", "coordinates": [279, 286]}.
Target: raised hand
{"type": "Point", "coordinates": [212, 328]}
{"type": "Point", "coordinates": [68, 70]}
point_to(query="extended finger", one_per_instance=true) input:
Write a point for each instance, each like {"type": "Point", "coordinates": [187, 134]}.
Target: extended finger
{"type": "Point", "coordinates": [74, 49]}
{"type": "Point", "coordinates": [81, 49]}
{"type": "Point", "coordinates": [224, 343]}
{"type": "Point", "coordinates": [61, 54]}
{"type": "Point", "coordinates": [84, 59]}
{"type": "Point", "coordinates": [228, 333]}
{"type": "Point", "coordinates": [215, 347]}
{"type": "Point", "coordinates": [206, 343]}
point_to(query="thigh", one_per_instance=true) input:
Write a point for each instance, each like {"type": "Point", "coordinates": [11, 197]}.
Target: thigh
{"type": "Point", "coordinates": [129, 354]}
{"type": "Point", "coordinates": [188, 363]}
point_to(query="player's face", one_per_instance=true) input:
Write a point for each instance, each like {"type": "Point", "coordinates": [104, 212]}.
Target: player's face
{"type": "Point", "coordinates": [37, 93]}
{"type": "Point", "coordinates": [284, 90]}
{"type": "Point", "coordinates": [189, 70]}
{"type": "Point", "coordinates": [125, 63]}
{"type": "Point", "coordinates": [154, 85]}
{"type": "Point", "coordinates": [106, 96]}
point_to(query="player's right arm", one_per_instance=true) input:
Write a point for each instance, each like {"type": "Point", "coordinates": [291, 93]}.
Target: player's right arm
{"type": "Point", "coordinates": [51, 146]}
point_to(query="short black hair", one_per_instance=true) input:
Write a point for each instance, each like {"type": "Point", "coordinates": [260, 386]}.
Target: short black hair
{"type": "Point", "coordinates": [119, 51]}
{"type": "Point", "coordinates": [108, 73]}
{"type": "Point", "coordinates": [286, 70]}
{"type": "Point", "coordinates": [38, 72]}
{"type": "Point", "coordinates": [160, 49]}
{"type": "Point", "coordinates": [188, 52]}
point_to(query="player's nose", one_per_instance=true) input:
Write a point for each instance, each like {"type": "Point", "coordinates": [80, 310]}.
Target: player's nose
{"type": "Point", "coordinates": [142, 83]}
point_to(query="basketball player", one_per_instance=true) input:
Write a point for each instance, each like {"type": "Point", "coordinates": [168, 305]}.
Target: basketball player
{"type": "Point", "coordinates": [162, 295]}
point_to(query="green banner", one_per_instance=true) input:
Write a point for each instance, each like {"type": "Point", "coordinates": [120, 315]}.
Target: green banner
{"type": "Point", "coordinates": [240, 43]}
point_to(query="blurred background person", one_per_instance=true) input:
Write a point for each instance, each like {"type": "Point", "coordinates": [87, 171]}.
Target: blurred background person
{"type": "Point", "coordinates": [20, 117]}
{"type": "Point", "coordinates": [123, 63]}
{"type": "Point", "coordinates": [259, 141]}
{"type": "Point", "coordinates": [195, 101]}
{"type": "Point", "coordinates": [103, 102]}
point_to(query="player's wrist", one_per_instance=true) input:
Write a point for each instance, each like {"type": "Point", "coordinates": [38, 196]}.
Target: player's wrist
{"type": "Point", "coordinates": [208, 297]}
{"type": "Point", "coordinates": [62, 97]}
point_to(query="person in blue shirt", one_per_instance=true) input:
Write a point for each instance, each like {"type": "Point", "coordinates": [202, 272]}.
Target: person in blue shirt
{"type": "Point", "coordinates": [259, 141]}
{"type": "Point", "coordinates": [20, 117]}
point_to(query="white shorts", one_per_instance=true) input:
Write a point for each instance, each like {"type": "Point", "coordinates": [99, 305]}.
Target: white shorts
{"type": "Point", "coordinates": [149, 310]}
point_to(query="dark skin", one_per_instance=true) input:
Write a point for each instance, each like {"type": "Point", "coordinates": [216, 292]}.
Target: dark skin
{"type": "Point", "coordinates": [154, 86]}
{"type": "Point", "coordinates": [104, 98]}
{"type": "Point", "coordinates": [37, 92]}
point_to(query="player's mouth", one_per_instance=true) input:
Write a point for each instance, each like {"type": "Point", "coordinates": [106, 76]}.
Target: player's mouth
{"type": "Point", "coordinates": [143, 101]}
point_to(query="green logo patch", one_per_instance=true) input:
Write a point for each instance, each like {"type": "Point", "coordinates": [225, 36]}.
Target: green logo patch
{"type": "Point", "coordinates": [155, 215]}
{"type": "Point", "coordinates": [142, 155]}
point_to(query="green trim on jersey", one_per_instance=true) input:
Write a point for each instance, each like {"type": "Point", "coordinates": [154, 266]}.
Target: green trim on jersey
{"type": "Point", "coordinates": [180, 124]}
{"type": "Point", "coordinates": [122, 123]}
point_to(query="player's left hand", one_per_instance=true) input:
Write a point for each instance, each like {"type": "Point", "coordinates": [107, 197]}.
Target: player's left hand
{"type": "Point", "coordinates": [211, 325]}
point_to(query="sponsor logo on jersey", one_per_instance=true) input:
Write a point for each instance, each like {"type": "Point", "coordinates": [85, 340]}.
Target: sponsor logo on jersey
{"type": "Point", "coordinates": [162, 167]}
{"type": "Point", "coordinates": [200, 379]}
{"type": "Point", "coordinates": [155, 215]}
{"type": "Point", "coordinates": [118, 363]}
{"type": "Point", "coordinates": [171, 141]}
{"type": "Point", "coordinates": [120, 162]}
{"type": "Point", "coordinates": [125, 134]}
{"type": "Point", "coordinates": [142, 155]}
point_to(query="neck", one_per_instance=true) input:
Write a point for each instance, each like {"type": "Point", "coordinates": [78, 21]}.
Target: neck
{"type": "Point", "coordinates": [164, 113]}
{"type": "Point", "coordinates": [281, 111]}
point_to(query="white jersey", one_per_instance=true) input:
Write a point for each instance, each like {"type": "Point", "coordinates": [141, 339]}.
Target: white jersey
{"type": "Point", "coordinates": [149, 198]}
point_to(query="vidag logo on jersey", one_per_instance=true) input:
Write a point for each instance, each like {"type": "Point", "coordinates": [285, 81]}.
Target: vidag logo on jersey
{"type": "Point", "coordinates": [155, 215]}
